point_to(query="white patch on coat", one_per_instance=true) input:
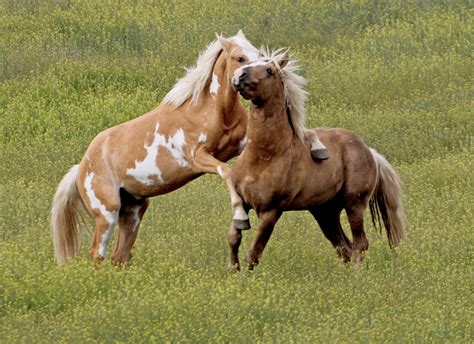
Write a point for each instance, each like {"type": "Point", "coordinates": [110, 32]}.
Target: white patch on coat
{"type": "Point", "coordinates": [214, 84]}
{"type": "Point", "coordinates": [257, 63]}
{"type": "Point", "coordinates": [202, 138]}
{"type": "Point", "coordinates": [317, 144]}
{"type": "Point", "coordinates": [238, 72]}
{"type": "Point", "coordinates": [104, 240]}
{"type": "Point", "coordinates": [236, 201]}
{"type": "Point", "coordinates": [148, 167]}
{"type": "Point", "coordinates": [247, 49]}
{"type": "Point", "coordinates": [175, 145]}
{"type": "Point", "coordinates": [136, 218]}
{"type": "Point", "coordinates": [242, 144]}
{"type": "Point", "coordinates": [110, 216]}
{"type": "Point", "coordinates": [95, 203]}
{"type": "Point", "coordinates": [240, 214]}
{"type": "Point", "coordinates": [219, 170]}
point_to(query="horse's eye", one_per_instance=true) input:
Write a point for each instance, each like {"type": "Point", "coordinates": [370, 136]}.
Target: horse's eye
{"type": "Point", "coordinates": [270, 71]}
{"type": "Point", "coordinates": [240, 60]}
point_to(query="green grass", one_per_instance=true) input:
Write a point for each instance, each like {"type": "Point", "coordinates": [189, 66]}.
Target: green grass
{"type": "Point", "coordinates": [399, 73]}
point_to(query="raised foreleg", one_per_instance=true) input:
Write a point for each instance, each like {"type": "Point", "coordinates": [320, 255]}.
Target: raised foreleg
{"type": "Point", "coordinates": [206, 163]}
{"type": "Point", "coordinates": [318, 149]}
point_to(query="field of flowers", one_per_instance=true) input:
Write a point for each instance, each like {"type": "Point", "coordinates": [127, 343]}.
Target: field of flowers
{"type": "Point", "coordinates": [399, 73]}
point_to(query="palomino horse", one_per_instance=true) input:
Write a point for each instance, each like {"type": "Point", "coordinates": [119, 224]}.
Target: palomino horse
{"type": "Point", "coordinates": [199, 125]}
{"type": "Point", "coordinates": [275, 173]}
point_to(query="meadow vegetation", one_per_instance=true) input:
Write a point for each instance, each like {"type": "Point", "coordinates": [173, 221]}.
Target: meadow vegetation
{"type": "Point", "coordinates": [399, 73]}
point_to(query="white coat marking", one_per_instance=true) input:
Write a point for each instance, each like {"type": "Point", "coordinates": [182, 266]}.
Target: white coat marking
{"type": "Point", "coordinates": [104, 240]}
{"type": "Point", "coordinates": [136, 218]}
{"type": "Point", "coordinates": [95, 203]}
{"type": "Point", "coordinates": [148, 167]}
{"type": "Point", "coordinates": [219, 170]}
{"type": "Point", "coordinates": [202, 138]}
{"type": "Point", "coordinates": [317, 144]}
{"type": "Point", "coordinates": [240, 214]}
{"type": "Point", "coordinates": [214, 84]}
{"type": "Point", "coordinates": [110, 216]}
{"type": "Point", "coordinates": [250, 52]}
{"type": "Point", "coordinates": [242, 144]}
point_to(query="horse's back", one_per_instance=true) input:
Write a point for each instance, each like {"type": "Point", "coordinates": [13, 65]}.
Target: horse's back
{"type": "Point", "coordinates": [351, 155]}
{"type": "Point", "coordinates": [349, 170]}
{"type": "Point", "coordinates": [141, 155]}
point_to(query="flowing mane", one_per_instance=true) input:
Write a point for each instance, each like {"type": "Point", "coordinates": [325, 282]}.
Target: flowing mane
{"type": "Point", "coordinates": [295, 95]}
{"type": "Point", "coordinates": [194, 82]}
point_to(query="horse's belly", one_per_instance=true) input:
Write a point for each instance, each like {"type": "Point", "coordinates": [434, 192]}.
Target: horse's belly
{"type": "Point", "coordinates": [288, 190]}
{"type": "Point", "coordinates": [157, 176]}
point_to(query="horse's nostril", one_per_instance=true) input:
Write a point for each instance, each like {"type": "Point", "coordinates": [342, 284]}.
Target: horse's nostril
{"type": "Point", "coordinates": [243, 75]}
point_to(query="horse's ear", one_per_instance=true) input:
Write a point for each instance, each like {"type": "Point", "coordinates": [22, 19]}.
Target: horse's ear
{"type": "Point", "coordinates": [241, 33]}
{"type": "Point", "coordinates": [261, 52]}
{"type": "Point", "coordinates": [283, 60]}
{"type": "Point", "coordinates": [225, 43]}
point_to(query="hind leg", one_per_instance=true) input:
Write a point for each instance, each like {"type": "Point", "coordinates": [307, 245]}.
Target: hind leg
{"type": "Point", "coordinates": [328, 219]}
{"type": "Point", "coordinates": [360, 244]}
{"type": "Point", "coordinates": [130, 218]}
{"type": "Point", "coordinates": [103, 203]}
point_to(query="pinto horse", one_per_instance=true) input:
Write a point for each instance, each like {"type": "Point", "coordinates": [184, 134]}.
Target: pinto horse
{"type": "Point", "coordinates": [199, 125]}
{"type": "Point", "coordinates": [275, 173]}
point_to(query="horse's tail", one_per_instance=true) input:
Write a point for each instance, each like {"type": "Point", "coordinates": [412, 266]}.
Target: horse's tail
{"type": "Point", "coordinates": [386, 201]}
{"type": "Point", "coordinates": [66, 218]}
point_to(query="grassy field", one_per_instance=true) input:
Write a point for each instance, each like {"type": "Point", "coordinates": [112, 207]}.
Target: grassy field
{"type": "Point", "coordinates": [399, 73]}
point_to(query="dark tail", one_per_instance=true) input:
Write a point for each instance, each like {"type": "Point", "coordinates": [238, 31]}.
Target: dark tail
{"type": "Point", "coordinates": [386, 201]}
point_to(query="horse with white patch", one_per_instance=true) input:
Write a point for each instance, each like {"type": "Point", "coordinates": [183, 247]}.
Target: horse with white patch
{"type": "Point", "coordinates": [199, 125]}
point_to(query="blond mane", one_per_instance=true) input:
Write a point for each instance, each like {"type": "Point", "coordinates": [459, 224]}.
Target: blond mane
{"type": "Point", "coordinates": [295, 95]}
{"type": "Point", "coordinates": [194, 82]}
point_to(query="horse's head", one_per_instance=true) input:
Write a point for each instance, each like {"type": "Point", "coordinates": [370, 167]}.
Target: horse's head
{"type": "Point", "coordinates": [238, 52]}
{"type": "Point", "coordinates": [259, 81]}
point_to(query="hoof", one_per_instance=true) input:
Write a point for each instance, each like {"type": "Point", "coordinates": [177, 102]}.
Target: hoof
{"type": "Point", "coordinates": [234, 268]}
{"type": "Point", "coordinates": [242, 224]}
{"type": "Point", "coordinates": [320, 154]}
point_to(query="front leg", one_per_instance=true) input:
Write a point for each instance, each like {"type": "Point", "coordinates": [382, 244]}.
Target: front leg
{"type": "Point", "coordinates": [234, 238]}
{"type": "Point", "coordinates": [206, 163]}
{"type": "Point", "coordinates": [266, 224]}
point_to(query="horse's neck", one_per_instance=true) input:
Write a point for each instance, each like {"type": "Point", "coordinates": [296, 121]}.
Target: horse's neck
{"type": "Point", "coordinates": [226, 101]}
{"type": "Point", "coordinates": [269, 128]}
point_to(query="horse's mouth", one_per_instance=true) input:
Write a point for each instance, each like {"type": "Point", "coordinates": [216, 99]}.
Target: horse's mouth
{"type": "Point", "coordinates": [243, 89]}
{"type": "Point", "coordinates": [238, 86]}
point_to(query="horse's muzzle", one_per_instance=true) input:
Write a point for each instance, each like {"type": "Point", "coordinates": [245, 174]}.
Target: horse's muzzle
{"type": "Point", "coordinates": [239, 83]}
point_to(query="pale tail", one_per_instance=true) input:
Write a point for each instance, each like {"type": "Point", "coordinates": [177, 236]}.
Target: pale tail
{"type": "Point", "coordinates": [386, 201]}
{"type": "Point", "coordinates": [66, 218]}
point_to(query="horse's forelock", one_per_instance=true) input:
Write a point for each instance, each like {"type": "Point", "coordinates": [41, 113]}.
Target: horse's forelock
{"type": "Point", "coordinates": [247, 47]}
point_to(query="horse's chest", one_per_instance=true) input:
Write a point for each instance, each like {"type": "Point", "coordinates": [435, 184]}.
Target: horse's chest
{"type": "Point", "coordinates": [263, 188]}
{"type": "Point", "coordinates": [229, 144]}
